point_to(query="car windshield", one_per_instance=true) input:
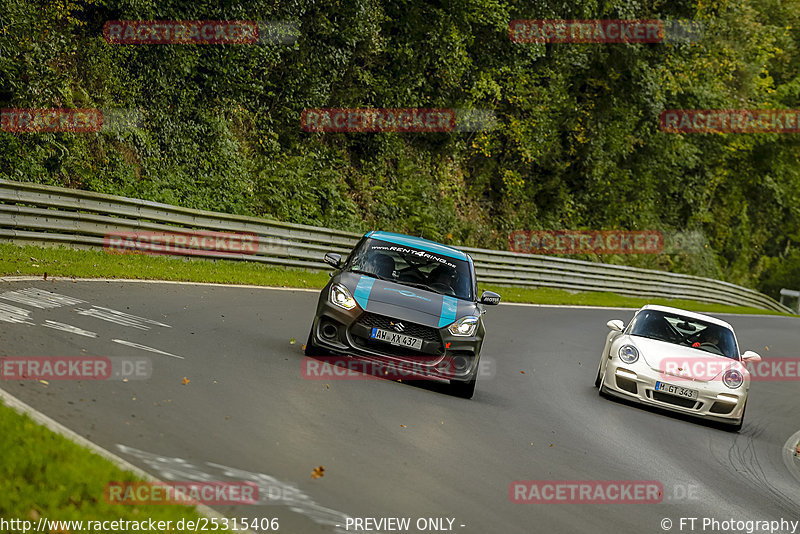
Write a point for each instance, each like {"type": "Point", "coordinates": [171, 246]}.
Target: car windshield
{"type": "Point", "coordinates": [685, 331]}
{"type": "Point", "coordinates": [413, 267]}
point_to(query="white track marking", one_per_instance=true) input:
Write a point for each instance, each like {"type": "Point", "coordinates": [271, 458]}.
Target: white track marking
{"type": "Point", "coordinates": [145, 347]}
{"type": "Point", "coordinates": [271, 490]}
{"type": "Point", "coordinates": [151, 321]}
{"type": "Point", "coordinates": [120, 318]}
{"type": "Point", "coordinates": [39, 298]}
{"type": "Point", "coordinates": [12, 314]}
{"type": "Point", "coordinates": [68, 328]}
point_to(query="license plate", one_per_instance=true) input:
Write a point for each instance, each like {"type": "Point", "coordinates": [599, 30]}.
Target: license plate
{"type": "Point", "coordinates": [679, 391]}
{"type": "Point", "coordinates": [394, 338]}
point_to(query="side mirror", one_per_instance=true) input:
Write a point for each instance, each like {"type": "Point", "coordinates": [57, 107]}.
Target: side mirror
{"type": "Point", "coordinates": [333, 259]}
{"type": "Point", "coordinates": [490, 297]}
{"type": "Point", "coordinates": [616, 325]}
{"type": "Point", "coordinates": [750, 356]}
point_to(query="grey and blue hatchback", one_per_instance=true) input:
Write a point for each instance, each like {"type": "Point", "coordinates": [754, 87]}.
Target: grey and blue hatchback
{"type": "Point", "coordinates": [404, 301]}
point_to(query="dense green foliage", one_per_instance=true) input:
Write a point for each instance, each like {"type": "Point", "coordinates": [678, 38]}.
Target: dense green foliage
{"type": "Point", "coordinates": [577, 146]}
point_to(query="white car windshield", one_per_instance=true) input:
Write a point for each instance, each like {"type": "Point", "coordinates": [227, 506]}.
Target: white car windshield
{"type": "Point", "coordinates": [685, 331]}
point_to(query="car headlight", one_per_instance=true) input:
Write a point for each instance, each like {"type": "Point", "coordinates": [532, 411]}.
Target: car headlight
{"type": "Point", "coordinates": [341, 297]}
{"type": "Point", "coordinates": [628, 353]}
{"type": "Point", "coordinates": [732, 378]}
{"type": "Point", "coordinates": [465, 326]}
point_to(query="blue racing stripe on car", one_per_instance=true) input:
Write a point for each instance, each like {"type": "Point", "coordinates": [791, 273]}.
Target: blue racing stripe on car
{"type": "Point", "coordinates": [448, 315]}
{"type": "Point", "coordinates": [363, 289]}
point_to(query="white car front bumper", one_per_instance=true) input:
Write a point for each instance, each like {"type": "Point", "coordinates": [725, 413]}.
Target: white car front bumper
{"type": "Point", "coordinates": [637, 382]}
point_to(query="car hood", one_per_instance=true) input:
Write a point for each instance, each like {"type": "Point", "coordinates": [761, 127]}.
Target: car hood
{"type": "Point", "coordinates": [404, 302]}
{"type": "Point", "coordinates": [679, 361]}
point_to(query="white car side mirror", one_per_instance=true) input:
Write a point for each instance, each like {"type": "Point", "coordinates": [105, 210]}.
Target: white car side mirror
{"type": "Point", "coordinates": [750, 356]}
{"type": "Point", "coordinates": [616, 325]}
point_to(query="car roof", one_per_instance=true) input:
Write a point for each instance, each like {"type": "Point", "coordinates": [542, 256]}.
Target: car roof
{"type": "Point", "coordinates": [685, 313]}
{"type": "Point", "coordinates": [419, 243]}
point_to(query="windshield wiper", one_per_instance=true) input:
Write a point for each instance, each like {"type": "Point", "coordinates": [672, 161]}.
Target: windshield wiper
{"type": "Point", "coordinates": [673, 342]}
{"type": "Point", "coordinates": [416, 284]}
{"type": "Point", "coordinates": [373, 275]}
{"type": "Point", "coordinates": [428, 288]}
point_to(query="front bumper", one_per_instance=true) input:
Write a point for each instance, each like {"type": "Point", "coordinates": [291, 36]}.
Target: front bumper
{"type": "Point", "coordinates": [637, 382]}
{"type": "Point", "coordinates": [443, 356]}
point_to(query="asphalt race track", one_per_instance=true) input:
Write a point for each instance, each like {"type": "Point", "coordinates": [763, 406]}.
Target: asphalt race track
{"type": "Point", "coordinates": [391, 449]}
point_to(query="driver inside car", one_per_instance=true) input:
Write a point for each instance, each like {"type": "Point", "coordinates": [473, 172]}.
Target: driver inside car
{"type": "Point", "coordinates": [442, 276]}
{"type": "Point", "coordinates": [707, 338]}
{"type": "Point", "coordinates": [382, 265]}
{"type": "Point", "coordinates": [658, 328]}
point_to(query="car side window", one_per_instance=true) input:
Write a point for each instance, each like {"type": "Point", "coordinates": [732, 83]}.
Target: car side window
{"type": "Point", "coordinates": [355, 253]}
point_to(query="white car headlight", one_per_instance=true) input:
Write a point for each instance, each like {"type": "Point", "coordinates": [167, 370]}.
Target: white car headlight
{"type": "Point", "coordinates": [628, 353]}
{"type": "Point", "coordinates": [732, 378]}
{"type": "Point", "coordinates": [341, 297]}
{"type": "Point", "coordinates": [465, 326]}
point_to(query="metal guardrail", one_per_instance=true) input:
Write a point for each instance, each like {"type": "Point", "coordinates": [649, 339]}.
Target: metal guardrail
{"type": "Point", "coordinates": [38, 214]}
{"type": "Point", "coordinates": [792, 294]}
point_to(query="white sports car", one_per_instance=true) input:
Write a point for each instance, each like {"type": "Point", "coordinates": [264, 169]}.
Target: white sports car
{"type": "Point", "coordinates": [679, 360]}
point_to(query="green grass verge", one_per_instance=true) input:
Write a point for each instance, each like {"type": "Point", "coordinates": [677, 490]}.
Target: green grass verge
{"type": "Point", "coordinates": [64, 262]}
{"type": "Point", "coordinates": [45, 475]}
{"type": "Point", "coordinates": [547, 295]}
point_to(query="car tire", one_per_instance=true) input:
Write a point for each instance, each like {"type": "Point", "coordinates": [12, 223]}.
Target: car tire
{"type": "Point", "coordinates": [465, 390]}
{"type": "Point", "coordinates": [602, 387]}
{"type": "Point", "coordinates": [597, 378]}
{"type": "Point", "coordinates": [736, 427]}
{"type": "Point", "coordinates": [311, 349]}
